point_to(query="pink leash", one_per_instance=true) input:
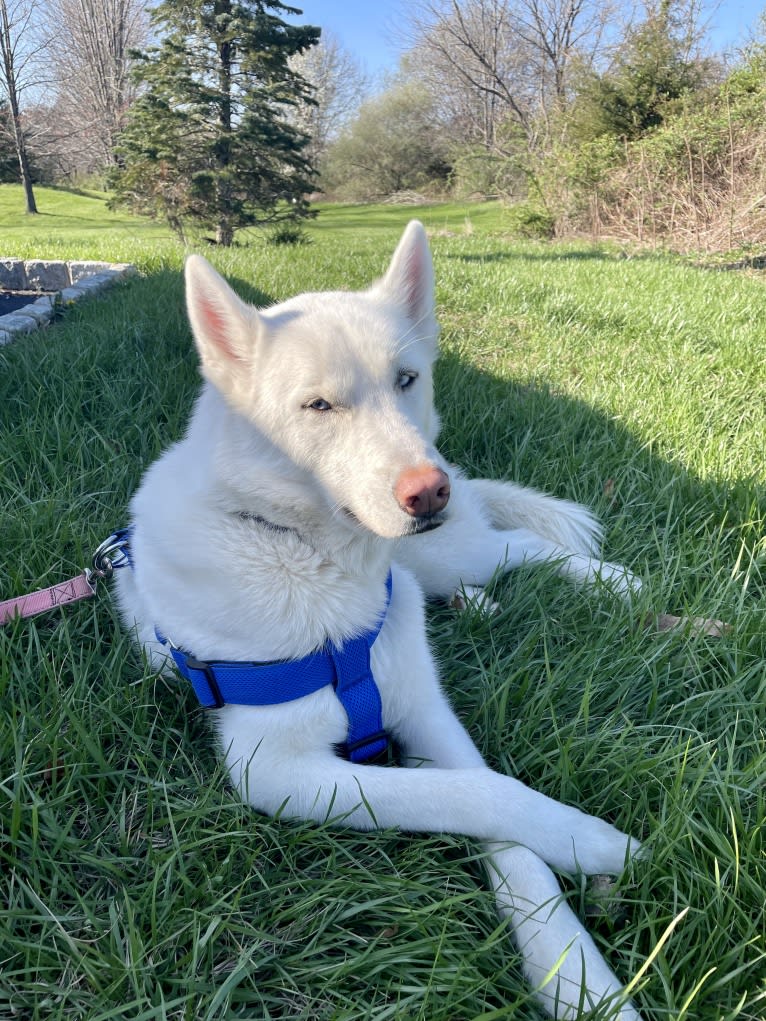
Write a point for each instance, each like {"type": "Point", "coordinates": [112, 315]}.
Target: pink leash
{"type": "Point", "coordinates": [105, 559]}
{"type": "Point", "coordinates": [81, 587]}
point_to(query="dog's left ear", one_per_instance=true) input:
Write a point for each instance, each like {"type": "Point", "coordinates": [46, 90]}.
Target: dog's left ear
{"type": "Point", "coordinates": [409, 280]}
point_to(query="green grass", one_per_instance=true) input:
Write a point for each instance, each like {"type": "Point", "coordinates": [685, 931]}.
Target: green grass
{"type": "Point", "coordinates": [134, 884]}
{"type": "Point", "coordinates": [79, 225]}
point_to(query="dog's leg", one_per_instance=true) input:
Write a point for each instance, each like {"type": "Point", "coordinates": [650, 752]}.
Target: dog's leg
{"type": "Point", "coordinates": [497, 526]}
{"type": "Point", "coordinates": [560, 959]}
{"type": "Point", "coordinates": [457, 793]}
{"type": "Point", "coordinates": [473, 801]}
{"type": "Point", "coordinates": [525, 547]}
{"type": "Point", "coordinates": [509, 505]}
{"type": "Point", "coordinates": [571, 527]}
{"type": "Point", "coordinates": [462, 553]}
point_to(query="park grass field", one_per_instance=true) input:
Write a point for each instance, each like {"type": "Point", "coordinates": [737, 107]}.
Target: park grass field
{"type": "Point", "coordinates": [136, 887]}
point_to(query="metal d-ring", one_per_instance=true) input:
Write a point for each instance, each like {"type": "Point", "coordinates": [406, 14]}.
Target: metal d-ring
{"type": "Point", "coordinates": [111, 554]}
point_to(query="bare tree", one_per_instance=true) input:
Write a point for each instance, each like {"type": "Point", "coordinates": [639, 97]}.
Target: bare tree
{"type": "Point", "coordinates": [339, 88]}
{"type": "Point", "coordinates": [465, 53]}
{"type": "Point", "coordinates": [92, 64]}
{"type": "Point", "coordinates": [505, 59]}
{"type": "Point", "coordinates": [556, 31]}
{"type": "Point", "coordinates": [22, 44]}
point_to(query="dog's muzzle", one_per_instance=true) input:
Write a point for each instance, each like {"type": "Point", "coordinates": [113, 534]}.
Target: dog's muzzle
{"type": "Point", "coordinates": [427, 523]}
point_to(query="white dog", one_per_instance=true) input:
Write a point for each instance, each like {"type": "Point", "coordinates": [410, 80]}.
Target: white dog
{"type": "Point", "coordinates": [269, 554]}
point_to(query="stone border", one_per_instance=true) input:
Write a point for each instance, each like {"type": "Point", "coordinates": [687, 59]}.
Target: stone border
{"type": "Point", "coordinates": [65, 282]}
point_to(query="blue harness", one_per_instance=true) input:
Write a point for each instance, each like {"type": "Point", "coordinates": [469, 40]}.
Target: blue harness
{"type": "Point", "coordinates": [346, 668]}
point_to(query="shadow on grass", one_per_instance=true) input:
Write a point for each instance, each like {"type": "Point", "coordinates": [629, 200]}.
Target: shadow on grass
{"type": "Point", "coordinates": [653, 509]}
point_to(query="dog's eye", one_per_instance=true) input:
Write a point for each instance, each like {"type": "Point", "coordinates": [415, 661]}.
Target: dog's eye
{"type": "Point", "coordinates": [319, 405]}
{"type": "Point", "coordinates": [406, 378]}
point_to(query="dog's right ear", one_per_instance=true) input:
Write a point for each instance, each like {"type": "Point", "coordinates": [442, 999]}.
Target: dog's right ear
{"type": "Point", "coordinates": [224, 326]}
{"type": "Point", "coordinates": [409, 280]}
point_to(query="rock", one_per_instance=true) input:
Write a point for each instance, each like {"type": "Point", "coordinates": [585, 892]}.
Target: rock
{"type": "Point", "coordinates": [45, 276]}
{"type": "Point", "coordinates": [12, 275]}
{"type": "Point", "coordinates": [17, 322]}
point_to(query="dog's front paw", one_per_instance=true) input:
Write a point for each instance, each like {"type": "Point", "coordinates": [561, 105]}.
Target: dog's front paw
{"type": "Point", "coordinates": [474, 599]}
{"type": "Point", "coordinates": [618, 579]}
{"type": "Point", "coordinates": [606, 850]}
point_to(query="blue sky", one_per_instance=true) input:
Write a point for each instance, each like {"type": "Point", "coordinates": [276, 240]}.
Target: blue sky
{"type": "Point", "coordinates": [368, 28]}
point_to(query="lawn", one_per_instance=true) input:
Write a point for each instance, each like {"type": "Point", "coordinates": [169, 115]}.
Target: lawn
{"type": "Point", "coordinates": [135, 886]}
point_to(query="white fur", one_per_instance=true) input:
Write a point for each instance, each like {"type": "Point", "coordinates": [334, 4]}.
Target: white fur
{"type": "Point", "coordinates": [269, 530]}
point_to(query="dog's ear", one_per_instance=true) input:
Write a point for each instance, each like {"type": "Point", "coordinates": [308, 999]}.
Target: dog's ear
{"type": "Point", "coordinates": [409, 279]}
{"type": "Point", "coordinates": [224, 326]}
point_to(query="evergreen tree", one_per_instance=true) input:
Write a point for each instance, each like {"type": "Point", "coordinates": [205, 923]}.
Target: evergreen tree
{"type": "Point", "coordinates": [655, 66]}
{"type": "Point", "coordinates": [208, 142]}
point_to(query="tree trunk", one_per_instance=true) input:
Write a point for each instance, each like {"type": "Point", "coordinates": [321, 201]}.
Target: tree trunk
{"type": "Point", "coordinates": [224, 234]}
{"type": "Point", "coordinates": [11, 85]}
{"type": "Point", "coordinates": [26, 175]}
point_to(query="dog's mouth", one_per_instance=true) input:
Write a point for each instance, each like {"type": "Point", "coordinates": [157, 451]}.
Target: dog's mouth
{"type": "Point", "coordinates": [416, 526]}
{"type": "Point", "coordinates": [427, 523]}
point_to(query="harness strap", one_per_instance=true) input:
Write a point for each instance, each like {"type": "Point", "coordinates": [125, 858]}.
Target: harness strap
{"type": "Point", "coordinates": [221, 683]}
{"type": "Point", "coordinates": [347, 669]}
{"type": "Point", "coordinates": [358, 693]}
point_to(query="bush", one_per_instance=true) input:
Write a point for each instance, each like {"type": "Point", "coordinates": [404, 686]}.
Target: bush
{"type": "Point", "coordinates": [288, 232]}
{"type": "Point", "coordinates": [476, 171]}
{"type": "Point", "coordinates": [527, 220]}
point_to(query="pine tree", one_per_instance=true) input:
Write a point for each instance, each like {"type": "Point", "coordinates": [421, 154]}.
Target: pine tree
{"type": "Point", "coordinates": [208, 142]}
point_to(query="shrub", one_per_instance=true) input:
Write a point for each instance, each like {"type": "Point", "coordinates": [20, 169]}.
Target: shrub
{"type": "Point", "coordinates": [288, 232]}
{"type": "Point", "coordinates": [527, 220]}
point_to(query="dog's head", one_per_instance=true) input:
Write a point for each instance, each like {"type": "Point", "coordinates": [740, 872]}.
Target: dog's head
{"type": "Point", "coordinates": [340, 382]}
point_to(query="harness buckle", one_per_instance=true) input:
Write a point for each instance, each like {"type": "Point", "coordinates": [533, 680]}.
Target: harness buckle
{"type": "Point", "coordinates": [380, 736]}
{"type": "Point", "coordinates": [207, 671]}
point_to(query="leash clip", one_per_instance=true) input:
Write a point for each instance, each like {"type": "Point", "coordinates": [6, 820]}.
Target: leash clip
{"type": "Point", "coordinates": [111, 555]}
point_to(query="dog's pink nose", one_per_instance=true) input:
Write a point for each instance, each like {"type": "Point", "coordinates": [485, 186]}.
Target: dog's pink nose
{"type": "Point", "coordinates": [422, 491]}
